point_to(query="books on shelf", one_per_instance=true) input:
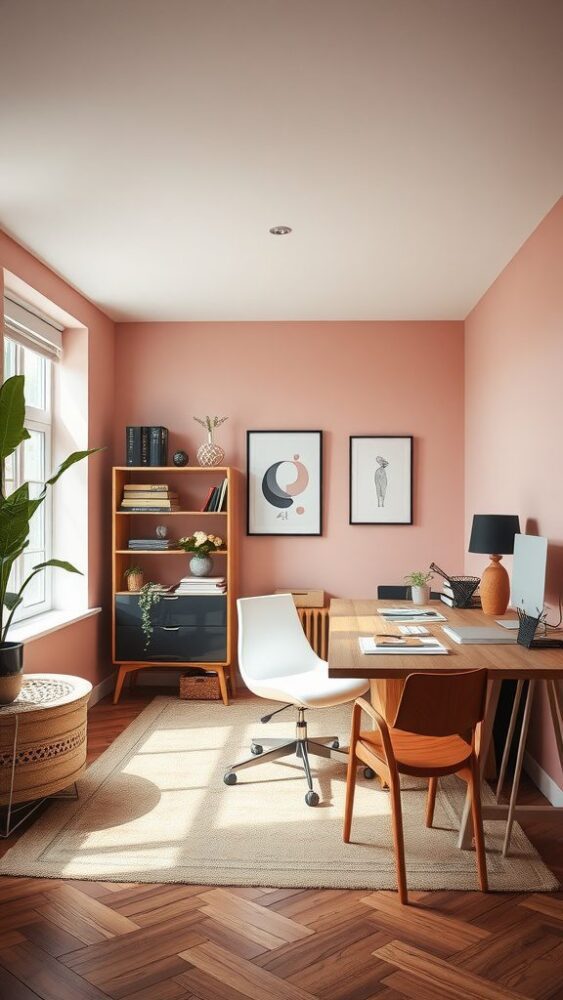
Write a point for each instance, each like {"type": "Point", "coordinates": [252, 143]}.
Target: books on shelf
{"type": "Point", "coordinates": [158, 544]}
{"type": "Point", "coordinates": [216, 499]}
{"type": "Point", "coordinates": [146, 445]}
{"type": "Point", "coordinates": [201, 585]}
{"type": "Point", "coordinates": [139, 499]}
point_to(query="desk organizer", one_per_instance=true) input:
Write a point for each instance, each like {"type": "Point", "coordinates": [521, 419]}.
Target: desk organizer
{"type": "Point", "coordinates": [463, 587]}
{"type": "Point", "coordinates": [527, 628]}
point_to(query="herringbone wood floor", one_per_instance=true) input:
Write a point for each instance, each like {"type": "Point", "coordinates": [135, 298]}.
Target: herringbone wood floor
{"type": "Point", "coordinates": [68, 940]}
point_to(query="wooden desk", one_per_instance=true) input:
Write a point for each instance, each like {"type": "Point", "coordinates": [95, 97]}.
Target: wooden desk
{"type": "Point", "coordinates": [350, 619]}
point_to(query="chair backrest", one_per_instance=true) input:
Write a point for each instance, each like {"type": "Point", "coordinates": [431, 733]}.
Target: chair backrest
{"type": "Point", "coordinates": [271, 640]}
{"type": "Point", "coordinates": [442, 704]}
{"type": "Point", "coordinates": [400, 593]}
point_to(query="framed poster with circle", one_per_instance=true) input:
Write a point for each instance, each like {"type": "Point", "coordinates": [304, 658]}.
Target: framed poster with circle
{"type": "Point", "coordinates": [381, 480]}
{"type": "Point", "coordinates": [284, 482]}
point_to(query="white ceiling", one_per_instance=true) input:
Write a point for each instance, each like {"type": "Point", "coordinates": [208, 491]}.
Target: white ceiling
{"type": "Point", "coordinates": [147, 147]}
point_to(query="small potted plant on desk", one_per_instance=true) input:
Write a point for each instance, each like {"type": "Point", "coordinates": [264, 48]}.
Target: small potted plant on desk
{"type": "Point", "coordinates": [16, 512]}
{"type": "Point", "coordinates": [419, 582]}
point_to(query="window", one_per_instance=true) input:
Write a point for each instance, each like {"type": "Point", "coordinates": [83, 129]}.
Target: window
{"type": "Point", "coordinates": [31, 462]}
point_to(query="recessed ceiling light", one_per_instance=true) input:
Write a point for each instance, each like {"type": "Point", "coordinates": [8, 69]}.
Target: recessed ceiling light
{"type": "Point", "coordinates": [280, 230]}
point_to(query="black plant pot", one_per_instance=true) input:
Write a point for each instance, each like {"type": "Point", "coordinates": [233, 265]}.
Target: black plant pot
{"type": "Point", "coordinates": [11, 666]}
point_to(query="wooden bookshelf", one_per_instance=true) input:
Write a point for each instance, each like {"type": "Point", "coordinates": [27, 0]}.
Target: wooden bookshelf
{"type": "Point", "coordinates": [191, 484]}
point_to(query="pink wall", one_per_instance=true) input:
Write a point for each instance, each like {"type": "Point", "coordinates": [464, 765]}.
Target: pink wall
{"type": "Point", "coordinates": [83, 647]}
{"type": "Point", "coordinates": [342, 378]}
{"type": "Point", "coordinates": [514, 366]}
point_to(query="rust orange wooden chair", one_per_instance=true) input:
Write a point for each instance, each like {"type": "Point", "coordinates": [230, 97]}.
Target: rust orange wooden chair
{"type": "Point", "coordinates": [424, 740]}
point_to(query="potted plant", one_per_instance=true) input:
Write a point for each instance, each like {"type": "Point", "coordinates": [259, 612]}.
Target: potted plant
{"type": "Point", "coordinates": [149, 595]}
{"type": "Point", "coordinates": [16, 511]}
{"type": "Point", "coordinates": [135, 578]}
{"type": "Point", "coordinates": [419, 582]}
{"type": "Point", "coordinates": [201, 544]}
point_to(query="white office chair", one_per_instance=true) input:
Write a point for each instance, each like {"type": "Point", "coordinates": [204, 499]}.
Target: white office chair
{"type": "Point", "coordinates": [277, 662]}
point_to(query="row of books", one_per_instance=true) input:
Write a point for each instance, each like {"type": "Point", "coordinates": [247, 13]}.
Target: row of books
{"type": "Point", "coordinates": [447, 596]}
{"type": "Point", "coordinates": [216, 499]}
{"type": "Point", "coordinates": [146, 445]}
{"type": "Point", "coordinates": [201, 585]}
{"type": "Point", "coordinates": [149, 498]}
{"type": "Point", "coordinates": [154, 544]}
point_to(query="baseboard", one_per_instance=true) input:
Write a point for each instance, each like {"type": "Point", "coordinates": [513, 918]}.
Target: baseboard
{"type": "Point", "coordinates": [101, 690]}
{"type": "Point", "coordinates": [543, 781]}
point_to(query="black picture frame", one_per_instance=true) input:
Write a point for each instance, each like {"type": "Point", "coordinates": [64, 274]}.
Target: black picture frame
{"type": "Point", "coordinates": [407, 519]}
{"type": "Point", "coordinates": [250, 527]}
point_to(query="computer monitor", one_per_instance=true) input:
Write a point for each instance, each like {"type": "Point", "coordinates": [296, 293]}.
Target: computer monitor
{"type": "Point", "coordinates": [528, 573]}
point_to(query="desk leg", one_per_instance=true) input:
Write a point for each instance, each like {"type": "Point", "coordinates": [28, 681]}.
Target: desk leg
{"type": "Point", "coordinates": [509, 738]}
{"type": "Point", "coordinates": [385, 696]}
{"type": "Point", "coordinates": [518, 767]}
{"type": "Point", "coordinates": [556, 715]}
{"type": "Point", "coordinates": [493, 694]}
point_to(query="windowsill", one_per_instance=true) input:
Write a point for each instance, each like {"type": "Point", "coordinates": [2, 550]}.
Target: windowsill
{"type": "Point", "coordinates": [51, 621]}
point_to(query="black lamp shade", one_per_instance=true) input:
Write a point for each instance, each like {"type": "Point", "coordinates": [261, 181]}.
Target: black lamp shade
{"type": "Point", "coordinates": [494, 533]}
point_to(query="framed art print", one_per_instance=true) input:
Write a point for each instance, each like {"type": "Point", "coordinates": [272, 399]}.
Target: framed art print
{"type": "Point", "coordinates": [284, 482]}
{"type": "Point", "coordinates": [381, 480]}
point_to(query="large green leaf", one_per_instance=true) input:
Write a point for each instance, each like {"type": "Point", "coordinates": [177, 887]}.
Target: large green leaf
{"type": "Point", "coordinates": [12, 416]}
{"type": "Point", "coordinates": [59, 564]}
{"type": "Point", "coordinates": [14, 520]}
{"type": "Point", "coordinates": [76, 456]}
{"type": "Point", "coordinates": [12, 601]}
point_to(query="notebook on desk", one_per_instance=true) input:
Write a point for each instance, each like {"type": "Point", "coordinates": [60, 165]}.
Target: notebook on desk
{"type": "Point", "coordinates": [401, 647]}
{"type": "Point", "coordinates": [480, 634]}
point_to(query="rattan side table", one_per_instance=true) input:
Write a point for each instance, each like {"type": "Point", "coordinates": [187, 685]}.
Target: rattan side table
{"type": "Point", "coordinates": [42, 744]}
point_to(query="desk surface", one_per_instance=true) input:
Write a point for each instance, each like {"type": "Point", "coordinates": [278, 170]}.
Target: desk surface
{"type": "Point", "coordinates": [350, 619]}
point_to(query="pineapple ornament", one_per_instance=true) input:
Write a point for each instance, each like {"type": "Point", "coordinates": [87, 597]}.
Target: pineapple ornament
{"type": "Point", "coordinates": [209, 453]}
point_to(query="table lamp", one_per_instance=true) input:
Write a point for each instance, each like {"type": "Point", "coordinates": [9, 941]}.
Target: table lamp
{"type": "Point", "coordinates": [494, 534]}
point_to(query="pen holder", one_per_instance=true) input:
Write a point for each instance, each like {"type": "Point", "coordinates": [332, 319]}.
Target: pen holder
{"type": "Point", "coordinates": [526, 629]}
{"type": "Point", "coordinates": [463, 587]}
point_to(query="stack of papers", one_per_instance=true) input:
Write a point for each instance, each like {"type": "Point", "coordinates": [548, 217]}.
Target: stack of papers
{"type": "Point", "coordinates": [399, 647]}
{"type": "Point", "coordinates": [202, 585]}
{"type": "Point", "coordinates": [411, 615]}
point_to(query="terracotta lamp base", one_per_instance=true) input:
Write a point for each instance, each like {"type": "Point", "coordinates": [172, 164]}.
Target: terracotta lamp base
{"type": "Point", "coordinates": [495, 588]}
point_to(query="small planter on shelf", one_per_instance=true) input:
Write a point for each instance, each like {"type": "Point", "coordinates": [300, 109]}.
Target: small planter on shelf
{"type": "Point", "coordinates": [135, 579]}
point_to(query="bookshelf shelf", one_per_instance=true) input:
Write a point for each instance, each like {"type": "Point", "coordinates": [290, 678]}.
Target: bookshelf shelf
{"type": "Point", "coordinates": [171, 513]}
{"type": "Point", "coordinates": [204, 637]}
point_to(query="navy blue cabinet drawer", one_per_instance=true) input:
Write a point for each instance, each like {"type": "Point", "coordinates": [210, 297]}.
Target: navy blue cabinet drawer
{"type": "Point", "coordinates": [175, 609]}
{"type": "Point", "coordinates": [173, 643]}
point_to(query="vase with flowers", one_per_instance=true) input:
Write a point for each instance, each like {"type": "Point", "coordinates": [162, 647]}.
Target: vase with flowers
{"type": "Point", "coordinates": [201, 545]}
{"type": "Point", "coordinates": [210, 453]}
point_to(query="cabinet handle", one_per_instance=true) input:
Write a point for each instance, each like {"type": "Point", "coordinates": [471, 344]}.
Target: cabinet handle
{"type": "Point", "coordinates": [171, 598]}
{"type": "Point", "coordinates": [170, 628]}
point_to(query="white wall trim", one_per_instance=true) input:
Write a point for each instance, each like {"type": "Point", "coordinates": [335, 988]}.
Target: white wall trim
{"type": "Point", "coordinates": [543, 781]}
{"type": "Point", "coordinates": [51, 621]}
{"type": "Point", "coordinates": [101, 690]}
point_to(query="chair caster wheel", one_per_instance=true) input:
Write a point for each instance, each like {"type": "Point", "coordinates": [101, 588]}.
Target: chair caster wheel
{"type": "Point", "coordinates": [256, 749]}
{"type": "Point", "coordinates": [368, 773]}
{"type": "Point", "coordinates": [312, 799]}
{"type": "Point", "coordinates": [335, 745]}
{"type": "Point", "coordinates": [230, 778]}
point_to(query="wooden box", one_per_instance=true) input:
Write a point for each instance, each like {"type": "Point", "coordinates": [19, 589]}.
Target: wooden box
{"type": "Point", "coordinates": [305, 597]}
{"type": "Point", "coordinates": [200, 687]}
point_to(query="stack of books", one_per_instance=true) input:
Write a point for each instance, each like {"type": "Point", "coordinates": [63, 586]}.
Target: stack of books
{"type": "Point", "coordinates": [447, 596]}
{"type": "Point", "coordinates": [152, 544]}
{"type": "Point", "coordinates": [216, 499]}
{"type": "Point", "coordinates": [202, 585]}
{"type": "Point", "coordinates": [146, 445]}
{"type": "Point", "coordinates": [149, 498]}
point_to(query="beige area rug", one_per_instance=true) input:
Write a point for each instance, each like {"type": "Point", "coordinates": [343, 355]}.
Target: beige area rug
{"type": "Point", "coordinates": [154, 808]}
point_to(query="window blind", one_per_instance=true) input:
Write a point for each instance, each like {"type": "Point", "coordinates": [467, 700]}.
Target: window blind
{"type": "Point", "coordinates": [33, 331]}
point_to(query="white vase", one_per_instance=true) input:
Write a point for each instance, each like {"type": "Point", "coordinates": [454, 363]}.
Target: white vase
{"type": "Point", "coordinates": [201, 565]}
{"type": "Point", "coordinates": [420, 595]}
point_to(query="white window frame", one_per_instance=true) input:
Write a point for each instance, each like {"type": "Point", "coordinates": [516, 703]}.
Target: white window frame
{"type": "Point", "coordinates": [39, 420]}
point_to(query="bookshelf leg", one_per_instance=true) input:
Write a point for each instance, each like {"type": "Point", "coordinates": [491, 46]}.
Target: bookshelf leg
{"type": "Point", "coordinates": [121, 675]}
{"type": "Point", "coordinates": [223, 686]}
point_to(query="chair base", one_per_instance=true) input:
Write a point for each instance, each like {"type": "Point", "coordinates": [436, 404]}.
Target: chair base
{"type": "Point", "coordinates": [302, 747]}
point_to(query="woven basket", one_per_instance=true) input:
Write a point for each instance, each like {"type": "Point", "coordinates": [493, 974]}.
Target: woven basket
{"type": "Point", "coordinates": [200, 688]}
